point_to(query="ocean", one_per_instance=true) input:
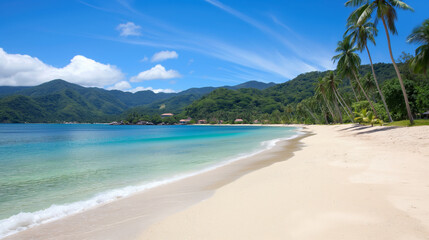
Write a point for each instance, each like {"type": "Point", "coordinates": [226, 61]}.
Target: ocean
{"type": "Point", "coordinates": [49, 171]}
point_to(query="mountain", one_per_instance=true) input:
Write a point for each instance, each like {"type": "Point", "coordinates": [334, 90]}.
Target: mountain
{"type": "Point", "coordinates": [254, 84]}
{"type": "Point", "coordinates": [8, 90]}
{"type": "Point", "coordinates": [59, 100]}
{"type": "Point", "coordinates": [268, 103]}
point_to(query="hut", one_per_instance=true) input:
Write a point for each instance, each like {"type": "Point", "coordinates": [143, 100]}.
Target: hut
{"type": "Point", "coordinates": [238, 120]}
{"type": "Point", "coordinates": [185, 121]}
{"type": "Point", "coordinates": [164, 115]}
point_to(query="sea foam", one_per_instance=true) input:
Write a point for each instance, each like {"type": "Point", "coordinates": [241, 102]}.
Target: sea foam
{"type": "Point", "coordinates": [26, 220]}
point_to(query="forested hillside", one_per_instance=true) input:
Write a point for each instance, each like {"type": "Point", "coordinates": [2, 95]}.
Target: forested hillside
{"type": "Point", "coordinates": [61, 101]}
{"type": "Point", "coordinates": [291, 101]}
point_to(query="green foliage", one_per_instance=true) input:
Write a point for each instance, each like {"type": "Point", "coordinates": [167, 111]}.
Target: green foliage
{"type": "Point", "coordinates": [395, 100]}
{"type": "Point", "coordinates": [228, 105]}
{"type": "Point", "coordinates": [368, 117]}
{"type": "Point", "coordinates": [359, 106]}
{"type": "Point", "coordinates": [420, 35]}
{"type": "Point", "coordinates": [406, 123]}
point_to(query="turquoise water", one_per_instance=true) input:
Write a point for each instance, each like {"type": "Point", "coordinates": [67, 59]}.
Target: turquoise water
{"type": "Point", "coordinates": [52, 170]}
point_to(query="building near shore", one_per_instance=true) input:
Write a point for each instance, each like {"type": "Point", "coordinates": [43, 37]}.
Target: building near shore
{"type": "Point", "coordinates": [164, 115]}
{"type": "Point", "coordinates": [202, 121]}
{"type": "Point", "coordinates": [238, 120]}
{"type": "Point", "coordinates": [185, 121]}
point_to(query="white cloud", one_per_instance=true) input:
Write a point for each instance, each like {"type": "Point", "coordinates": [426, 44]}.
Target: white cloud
{"type": "Point", "coordinates": [137, 89]}
{"type": "Point", "coordinates": [126, 86]}
{"type": "Point", "coordinates": [129, 29]}
{"type": "Point", "coordinates": [157, 72]}
{"type": "Point", "coordinates": [164, 55]}
{"type": "Point", "coordinates": [145, 59]}
{"type": "Point", "coordinates": [122, 85]}
{"type": "Point", "coordinates": [25, 70]}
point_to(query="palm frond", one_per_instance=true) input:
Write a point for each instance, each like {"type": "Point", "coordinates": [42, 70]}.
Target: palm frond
{"type": "Point", "coordinates": [401, 5]}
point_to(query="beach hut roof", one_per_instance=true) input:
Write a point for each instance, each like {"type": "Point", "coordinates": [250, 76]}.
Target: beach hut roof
{"type": "Point", "coordinates": [238, 120]}
{"type": "Point", "coordinates": [426, 113]}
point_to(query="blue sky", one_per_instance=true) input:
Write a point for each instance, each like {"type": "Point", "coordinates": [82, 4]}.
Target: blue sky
{"type": "Point", "coordinates": [168, 45]}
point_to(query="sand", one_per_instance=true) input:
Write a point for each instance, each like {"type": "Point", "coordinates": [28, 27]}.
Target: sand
{"type": "Point", "coordinates": [337, 182]}
{"type": "Point", "coordinates": [348, 182]}
{"type": "Point", "coordinates": [126, 218]}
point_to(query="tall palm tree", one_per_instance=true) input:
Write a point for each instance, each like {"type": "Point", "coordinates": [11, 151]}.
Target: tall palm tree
{"type": "Point", "coordinates": [361, 33]}
{"type": "Point", "coordinates": [385, 10]}
{"type": "Point", "coordinates": [332, 83]}
{"type": "Point", "coordinates": [420, 62]}
{"type": "Point", "coordinates": [349, 62]}
{"type": "Point", "coordinates": [321, 91]}
{"type": "Point", "coordinates": [328, 81]}
{"type": "Point", "coordinates": [368, 84]}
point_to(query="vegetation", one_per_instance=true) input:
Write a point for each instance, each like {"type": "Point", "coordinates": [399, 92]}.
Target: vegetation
{"type": "Point", "coordinates": [368, 94]}
{"type": "Point", "coordinates": [420, 35]}
{"type": "Point", "coordinates": [386, 12]}
{"type": "Point", "coordinates": [406, 123]}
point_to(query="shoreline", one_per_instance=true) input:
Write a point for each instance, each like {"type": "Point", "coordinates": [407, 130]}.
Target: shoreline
{"type": "Point", "coordinates": [183, 192]}
{"type": "Point", "coordinates": [349, 182]}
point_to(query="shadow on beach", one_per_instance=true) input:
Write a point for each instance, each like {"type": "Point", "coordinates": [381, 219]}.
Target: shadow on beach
{"type": "Point", "coordinates": [376, 130]}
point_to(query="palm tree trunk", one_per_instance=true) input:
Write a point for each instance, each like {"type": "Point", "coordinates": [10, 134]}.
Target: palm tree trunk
{"type": "Point", "coordinates": [329, 107]}
{"type": "Point", "coordinates": [311, 113]}
{"type": "Point", "coordinates": [324, 114]}
{"type": "Point", "coordinates": [378, 87]}
{"type": "Point", "coordinates": [337, 95]}
{"type": "Point", "coordinates": [364, 93]}
{"type": "Point", "coordinates": [354, 92]}
{"type": "Point", "coordinates": [342, 105]}
{"type": "Point", "coordinates": [348, 107]}
{"type": "Point", "coordinates": [404, 92]}
{"type": "Point", "coordinates": [336, 106]}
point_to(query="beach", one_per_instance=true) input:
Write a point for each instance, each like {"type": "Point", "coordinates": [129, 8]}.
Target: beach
{"type": "Point", "coordinates": [333, 182]}
{"type": "Point", "coordinates": [129, 211]}
{"type": "Point", "coordinates": [348, 182]}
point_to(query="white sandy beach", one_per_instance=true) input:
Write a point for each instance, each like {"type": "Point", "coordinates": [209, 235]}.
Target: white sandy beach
{"type": "Point", "coordinates": [340, 182]}
{"type": "Point", "coordinates": [348, 182]}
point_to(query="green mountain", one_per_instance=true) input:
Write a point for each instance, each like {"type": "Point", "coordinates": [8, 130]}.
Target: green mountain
{"type": "Point", "coordinates": [58, 101]}
{"type": "Point", "coordinates": [269, 103]}
{"type": "Point", "coordinates": [8, 90]}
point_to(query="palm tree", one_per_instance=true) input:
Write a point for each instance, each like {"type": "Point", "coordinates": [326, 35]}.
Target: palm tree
{"type": "Point", "coordinates": [420, 62]}
{"type": "Point", "coordinates": [321, 91]}
{"type": "Point", "coordinates": [368, 84]}
{"type": "Point", "coordinates": [385, 10]}
{"type": "Point", "coordinates": [361, 34]}
{"type": "Point", "coordinates": [332, 83]}
{"type": "Point", "coordinates": [349, 62]}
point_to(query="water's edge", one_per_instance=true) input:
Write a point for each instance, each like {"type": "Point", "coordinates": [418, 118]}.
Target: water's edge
{"type": "Point", "coordinates": [25, 221]}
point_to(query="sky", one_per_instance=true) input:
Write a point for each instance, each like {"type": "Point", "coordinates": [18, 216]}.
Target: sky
{"type": "Point", "coordinates": [171, 45]}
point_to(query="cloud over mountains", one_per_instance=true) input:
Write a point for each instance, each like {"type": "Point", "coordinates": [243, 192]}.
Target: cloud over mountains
{"type": "Point", "coordinates": [25, 70]}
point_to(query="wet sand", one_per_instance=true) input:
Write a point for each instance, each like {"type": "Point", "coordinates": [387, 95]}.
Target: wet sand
{"type": "Point", "coordinates": [348, 182]}
{"type": "Point", "coordinates": [127, 218]}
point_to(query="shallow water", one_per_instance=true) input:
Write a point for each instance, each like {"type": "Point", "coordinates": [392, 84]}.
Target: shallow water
{"type": "Point", "coordinates": [50, 170]}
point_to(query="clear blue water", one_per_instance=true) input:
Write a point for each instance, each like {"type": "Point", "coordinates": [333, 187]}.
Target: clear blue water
{"type": "Point", "coordinates": [54, 164]}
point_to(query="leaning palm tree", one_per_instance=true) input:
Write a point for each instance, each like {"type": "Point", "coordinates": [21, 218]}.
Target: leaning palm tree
{"type": "Point", "coordinates": [328, 81]}
{"type": "Point", "coordinates": [368, 84]}
{"type": "Point", "coordinates": [321, 92]}
{"type": "Point", "coordinates": [360, 34]}
{"type": "Point", "coordinates": [349, 62]}
{"type": "Point", "coordinates": [332, 83]}
{"type": "Point", "coordinates": [420, 63]}
{"type": "Point", "coordinates": [385, 10]}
